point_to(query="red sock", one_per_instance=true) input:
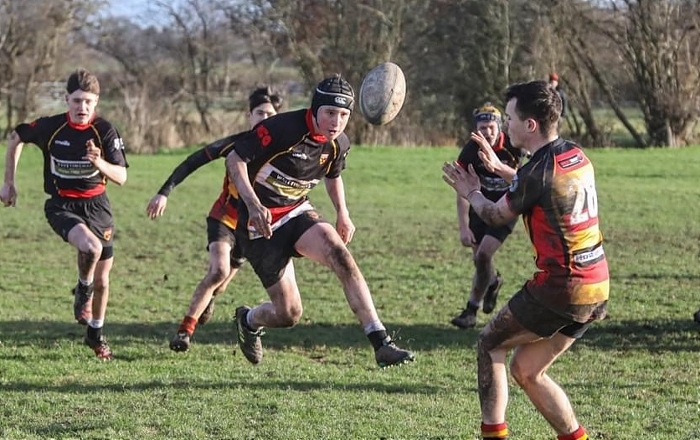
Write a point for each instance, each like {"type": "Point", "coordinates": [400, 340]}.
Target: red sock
{"type": "Point", "coordinates": [188, 325]}
{"type": "Point", "coordinates": [579, 434]}
{"type": "Point", "coordinates": [495, 431]}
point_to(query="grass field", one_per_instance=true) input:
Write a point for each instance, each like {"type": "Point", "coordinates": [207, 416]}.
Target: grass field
{"type": "Point", "coordinates": [633, 376]}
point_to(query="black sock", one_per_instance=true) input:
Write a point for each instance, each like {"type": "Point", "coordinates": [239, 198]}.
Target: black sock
{"type": "Point", "coordinates": [94, 333]}
{"type": "Point", "coordinates": [378, 338]}
{"type": "Point", "coordinates": [84, 289]}
{"type": "Point", "coordinates": [245, 322]}
{"type": "Point", "coordinates": [472, 307]}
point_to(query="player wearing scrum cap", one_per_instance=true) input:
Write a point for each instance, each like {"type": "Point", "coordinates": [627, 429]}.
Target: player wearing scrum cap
{"type": "Point", "coordinates": [274, 168]}
{"type": "Point", "coordinates": [225, 257]}
{"type": "Point", "coordinates": [485, 240]}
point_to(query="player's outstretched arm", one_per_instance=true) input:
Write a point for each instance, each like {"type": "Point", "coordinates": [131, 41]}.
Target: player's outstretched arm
{"type": "Point", "coordinates": [8, 193]}
{"type": "Point", "coordinates": [156, 206]}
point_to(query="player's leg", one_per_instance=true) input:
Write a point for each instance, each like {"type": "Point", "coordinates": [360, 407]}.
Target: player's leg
{"type": "Point", "coordinates": [219, 269]}
{"type": "Point", "coordinates": [89, 249]}
{"type": "Point", "coordinates": [98, 217]}
{"type": "Point", "coordinates": [283, 310]}
{"type": "Point", "coordinates": [94, 338]}
{"type": "Point", "coordinates": [529, 365]}
{"type": "Point", "coordinates": [321, 243]}
{"type": "Point", "coordinates": [498, 337]}
{"type": "Point", "coordinates": [487, 281]}
{"type": "Point", "coordinates": [482, 259]}
{"type": "Point", "coordinates": [530, 362]}
{"type": "Point", "coordinates": [236, 262]}
{"type": "Point", "coordinates": [271, 259]}
{"type": "Point", "coordinates": [220, 241]}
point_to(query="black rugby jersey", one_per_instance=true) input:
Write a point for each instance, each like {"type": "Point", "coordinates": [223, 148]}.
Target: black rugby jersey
{"type": "Point", "coordinates": [215, 150]}
{"type": "Point", "coordinates": [63, 143]}
{"type": "Point", "coordinates": [224, 208]}
{"type": "Point", "coordinates": [286, 159]}
{"type": "Point", "coordinates": [493, 186]}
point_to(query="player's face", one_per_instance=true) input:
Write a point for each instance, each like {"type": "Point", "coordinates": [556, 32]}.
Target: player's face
{"type": "Point", "coordinates": [517, 129]}
{"type": "Point", "coordinates": [81, 106]}
{"type": "Point", "coordinates": [260, 113]}
{"type": "Point", "coordinates": [331, 120]}
{"type": "Point", "coordinates": [489, 129]}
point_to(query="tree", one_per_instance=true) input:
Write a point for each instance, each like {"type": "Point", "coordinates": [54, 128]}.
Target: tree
{"type": "Point", "coordinates": [32, 34]}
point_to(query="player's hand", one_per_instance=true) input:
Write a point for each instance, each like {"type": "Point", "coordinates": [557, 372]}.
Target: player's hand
{"type": "Point", "coordinates": [345, 227]}
{"type": "Point", "coordinates": [486, 154]}
{"type": "Point", "coordinates": [467, 239]}
{"type": "Point", "coordinates": [461, 180]}
{"type": "Point", "coordinates": [261, 219]}
{"type": "Point", "coordinates": [92, 153]}
{"type": "Point", "coordinates": [156, 207]}
{"type": "Point", "coordinates": [8, 195]}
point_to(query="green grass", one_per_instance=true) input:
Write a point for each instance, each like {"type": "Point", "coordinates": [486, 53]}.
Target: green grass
{"type": "Point", "coordinates": [632, 376]}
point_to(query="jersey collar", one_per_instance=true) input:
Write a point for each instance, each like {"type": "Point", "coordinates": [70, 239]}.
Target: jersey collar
{"type": "Point", "coordinates": [500, 142]}
{"type": "Point", "coordinates": [316, 137]}
{"type": "Point", "coordinates": [80, 126]}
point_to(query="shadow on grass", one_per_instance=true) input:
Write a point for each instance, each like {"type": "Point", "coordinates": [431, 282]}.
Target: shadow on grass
{"type": "Point", "coordinates": [661, 335]}
{"type": "Point", "coordinates": [648, 335]}
{"type": "Point", "coordinates": [249, 383]}
{"type": "Point", "coordinates": [413, 336]}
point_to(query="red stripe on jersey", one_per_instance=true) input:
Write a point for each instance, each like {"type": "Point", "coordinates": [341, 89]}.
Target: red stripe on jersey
{"type": "Point", "coordinates": [75, 194]}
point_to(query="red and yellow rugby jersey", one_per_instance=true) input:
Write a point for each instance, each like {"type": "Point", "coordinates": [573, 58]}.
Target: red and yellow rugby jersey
{"type": "Point", "coordinates": [556, 195]}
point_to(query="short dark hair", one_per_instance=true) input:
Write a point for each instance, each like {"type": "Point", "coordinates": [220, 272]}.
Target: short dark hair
{"type": "Point", "coordinates": [83, 80]}
{"type": "Point", "coordinates": [264, 95]}
{"type": "Point", "coordinates": [536, 100]}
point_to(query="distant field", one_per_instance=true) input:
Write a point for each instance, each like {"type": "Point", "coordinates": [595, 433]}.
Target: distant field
{"type": "Point", "coordinates": [632, 376]}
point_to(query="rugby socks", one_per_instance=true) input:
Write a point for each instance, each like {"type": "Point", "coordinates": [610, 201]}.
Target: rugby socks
{"type": "Point", "coordinates": [187, 325]}
{"type": "Point", "coordinates": [94, 329]}
{"type": "Point", "coordinates": [84, 282]}
{"type": "Point", "coordinates": [494, 431]}
{"type": "Point", "coordinates": [473, 305]}
{"type": "Point", "coordinates": [376, 333]}
{"type": "Point", "coordinates": [579, 434]}
{"type": "Point", "coordinates": [249, 317]}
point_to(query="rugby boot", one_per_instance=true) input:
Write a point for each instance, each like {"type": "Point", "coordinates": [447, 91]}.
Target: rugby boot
{"type": "Point", "coordinates": [181, 342]}
{"type": "Point", "coordinates": [389, 354]}
{"type": "Point", "coordinates": [100, 347]}
{"type": "Point", "coordinates": [466, 319]}
{"type": "Point", "coordinates": [492, 294]}
{"type": "Point", "coordinates": [248, 340]}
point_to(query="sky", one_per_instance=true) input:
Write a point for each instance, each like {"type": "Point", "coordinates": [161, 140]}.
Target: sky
{"type": "Point", "coordinates": [133, 9]}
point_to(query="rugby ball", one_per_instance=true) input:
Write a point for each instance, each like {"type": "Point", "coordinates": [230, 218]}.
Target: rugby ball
{"type": "Point", "coordinates": [382, 93]}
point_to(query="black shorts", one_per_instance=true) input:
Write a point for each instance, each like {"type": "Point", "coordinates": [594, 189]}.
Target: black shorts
{"type": "Point", "coordinates": [269, 257]}
{"type": "Point", "coordinates": [480, 228]}
{"type": "Point", "coordinates": [217, 231]}
{"type": "Point", "coordinates": [63, 214]}
{"type": "Point", "coordinates": [537, 318]}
